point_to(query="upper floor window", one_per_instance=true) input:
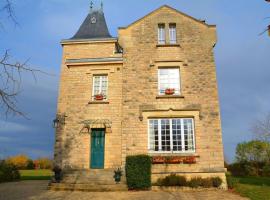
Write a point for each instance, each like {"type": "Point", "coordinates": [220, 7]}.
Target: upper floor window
{"type": "Point", "coordinates": [169, 81]}
{"type": "Point", "coordinates": [100, 87]}
{"type": "Point", "coordinates": [161, 34]}
{"type": "Point", "coordinates": [172, 33]}
{"type": "Point", "coordinates": [171, 135]}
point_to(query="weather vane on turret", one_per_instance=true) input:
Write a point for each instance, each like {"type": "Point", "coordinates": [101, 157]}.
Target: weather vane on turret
{"type": "Point", "coordinates": [91, 5]}
{"type": "Point", "coordinates": [101, 5]}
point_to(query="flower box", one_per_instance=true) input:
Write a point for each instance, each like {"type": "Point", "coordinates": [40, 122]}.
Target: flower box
{"type": "Point", "coordinates": [99, 97]}
{"type": "Point", "coordinates": [169, 91]}
{"type": "Point", "coordinates": [189, 160]}
{"type": "Point", "coordinates": [173, 159]}
{"type": "Point", "coordinates": [158, 159]}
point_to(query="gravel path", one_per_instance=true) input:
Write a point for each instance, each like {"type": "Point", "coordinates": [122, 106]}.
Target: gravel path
{"type": "Point", "coordinates": [36, 190]}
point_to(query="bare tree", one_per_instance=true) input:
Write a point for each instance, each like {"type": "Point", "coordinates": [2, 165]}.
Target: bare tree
{"type": "Point", "coordinates": [268, 28]}
{"type": "Point", "coordinates": [11, 72]}
{"type": "Point", "coordinates": [261, 128]}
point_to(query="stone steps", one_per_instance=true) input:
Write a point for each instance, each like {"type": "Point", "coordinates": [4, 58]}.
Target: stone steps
{"type": "Point", "coordinates": [90, 176]}
{"type": "Point", "coordinates": [87, 187]}
{"type": "Point", "coordinates": [90, 181]}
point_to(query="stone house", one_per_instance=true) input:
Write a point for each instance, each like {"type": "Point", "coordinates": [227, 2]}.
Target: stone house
{"type": "Point", "coordinates": [151, 90]}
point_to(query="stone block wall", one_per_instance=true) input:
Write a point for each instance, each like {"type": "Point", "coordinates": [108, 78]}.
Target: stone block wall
{"type": "Point", "coordinates": [194, 56]}
{"type": "Point", "coordinates": [72, 147]}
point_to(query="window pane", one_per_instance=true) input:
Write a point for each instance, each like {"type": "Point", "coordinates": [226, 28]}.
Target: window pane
{"type": "Point", "coordinates": [161, 34]}
{"type": "Point", "coordinates": [100, 85]}
{"type": "Point", "coordinates": [177, 138]}
{"type": "Point", "coordinates": [188, 134]}
{"type": "Point", "coordinates": [165, 135]}
{"type": "Point", "coordinates": [96, 84]}
{"type": "Point", "coordinates": [172, 33]}
{"type": "Point", "coordinates": [181, 140]}
{"type": "Point", "coordinates": [169, 79]}
{"type": "Point", "coordinates": [153, 135]}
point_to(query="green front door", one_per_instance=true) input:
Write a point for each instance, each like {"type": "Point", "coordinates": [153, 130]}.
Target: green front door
{"type": "Point", "coordinates": [97, 148]}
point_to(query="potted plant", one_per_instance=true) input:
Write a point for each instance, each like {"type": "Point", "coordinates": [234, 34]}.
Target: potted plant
{"type": "Point", "coordinates": [190, 160]}
{"type": "Point", "coordinates": [175, 160]}
{"type": "Point", "coordinates": [158, 160]}
{"type": "Point", "coordinates": [169, 91]}
{"type": "Point", "coordinates": [57, 173]}
{"type": "Point", "coordinates": [117, 175]}
{"type": "Point", "coordinates": [99, 97]}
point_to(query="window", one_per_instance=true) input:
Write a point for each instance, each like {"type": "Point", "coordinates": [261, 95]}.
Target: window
{"type": "Point", "coordinates": [172, 33]}
{"type": "Point", "coordinates": [161, 34]}
{"type": "Point", "coordinates": [169, 78]}
{"type": "Point", "coordinates": [171, 135]}
{"type": "Point", "coordinates": [100, 86]}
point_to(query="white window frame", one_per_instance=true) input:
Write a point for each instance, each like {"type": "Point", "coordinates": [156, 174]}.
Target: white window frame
{"type": "Point", "coordinates": [172, 33]}
{"type": "Point", "coordinates": [161, 34]}
{"type": "Point", "coordinates": [171, 137]}
{"type": "Point", "coordinates": [100, 86]}
{"type": "Point", "coordinates": [179, 80]}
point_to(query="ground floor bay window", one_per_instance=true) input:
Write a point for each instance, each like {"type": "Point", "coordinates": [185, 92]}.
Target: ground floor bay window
{"type": "Point", "coordinates": [171, 135]}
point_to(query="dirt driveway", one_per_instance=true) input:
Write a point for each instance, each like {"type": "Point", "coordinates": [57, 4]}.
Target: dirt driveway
{"type": "Point", "coordinates": [36, 190]}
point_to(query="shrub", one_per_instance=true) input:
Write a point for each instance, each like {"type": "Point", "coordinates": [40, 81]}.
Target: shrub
{"type": "Point", "coordinates": [207, 183]}
{"type": "Point", "coordinates": [173, 180]}
{"type": "Point", "coordinates": [266, 170]}
{"type": "Point", "coordinates": [159, 182]}
{"type": "Point", "coordinates": [30, 164]}
{"type": "Point", "coordinates": [20, 161]}
{"type": "Point", "coordinates": [237, 169]}
{"type": "Point", "coordinates": [251, 170]}
{"type": "Point", "coordinates": [216, 181]}
{"type": "Point", "coordinates": [8, 172]}
{"type": "Point", "coordinates": [195, 182]}
{"type": "Point", "coordinates": [231, 182]}
{"type": "Point", "coordinates": [138, 172]}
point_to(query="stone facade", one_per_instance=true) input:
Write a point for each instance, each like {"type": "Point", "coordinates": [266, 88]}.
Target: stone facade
{"type": "Point", "coordinates": [133, 94]}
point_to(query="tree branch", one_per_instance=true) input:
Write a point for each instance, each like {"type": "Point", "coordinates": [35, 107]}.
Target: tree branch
{"type": "Point", "coordinates": [8, 8]}
{"type": "Point", "coordinates": [10, 82]}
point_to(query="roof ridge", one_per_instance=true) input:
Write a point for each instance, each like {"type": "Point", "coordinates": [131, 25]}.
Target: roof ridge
{"type": "Point", "coordinates": [167, 6]}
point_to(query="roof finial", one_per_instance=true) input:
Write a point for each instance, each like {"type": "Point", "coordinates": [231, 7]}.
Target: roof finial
{"type": "Point", "coordinates": [101, 5]}
{"type": "Point", "coordinates": [91, 6]}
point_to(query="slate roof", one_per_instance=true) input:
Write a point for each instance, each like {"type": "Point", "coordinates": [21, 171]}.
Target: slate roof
{"type": "Point", "coordinates": [94, 26]}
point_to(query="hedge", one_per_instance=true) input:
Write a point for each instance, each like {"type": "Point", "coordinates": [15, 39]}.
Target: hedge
{"type": "Point", "coordinates": [8, 172]}
{"type": "Point", "coordinates": [138, 172]}
{"type": "Point", "coordinates": [195, 182]}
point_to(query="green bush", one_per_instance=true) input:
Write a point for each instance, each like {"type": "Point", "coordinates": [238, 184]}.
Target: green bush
{"type": "Point", "coordinates": [173, 180]}
{"type": "Point", "coordinates": [207, 183]}
{"type": "Point", "coordinates": [237, 169]}
{"type": "Point", "coordinates": [8, 172]}
{"type": "Point", "coordinates": [216, 181]}
{"type": "Point", "coordinates": [138, 172]}
{"type": "Point", "coordinates": [266, 170]}
{"type": "Point", "coordinates": [251, 170]}
{"type": "Point", "coordinates": [195, 182]}
{"type": "Point", "coordinates": [30, 164]}
{"type": "Point", "coordinates": [231, 182]}
{"type": "Point", "coordinates": [247, 168]}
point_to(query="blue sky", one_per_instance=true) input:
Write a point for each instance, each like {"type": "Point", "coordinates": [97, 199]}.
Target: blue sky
{"type": "Point", "coordinates": [242, 59]}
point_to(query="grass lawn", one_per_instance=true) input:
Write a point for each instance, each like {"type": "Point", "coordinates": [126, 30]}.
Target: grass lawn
{"type": "Point", "coordinates": [40, 174]}
{"type": "Point", "coordinates": [255, 188]}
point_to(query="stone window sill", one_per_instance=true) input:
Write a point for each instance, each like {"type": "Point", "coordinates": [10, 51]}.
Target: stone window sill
{"type": "Point", "coordinates": [170, 97]}
{"type": "Point", "coordinates": [98, 102]}
{"type": "Point", "coordinates": [168, 45]}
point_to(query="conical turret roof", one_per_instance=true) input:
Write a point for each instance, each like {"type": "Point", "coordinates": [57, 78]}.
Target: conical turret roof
{"type": "Point", "coordinates": [94, 26]}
